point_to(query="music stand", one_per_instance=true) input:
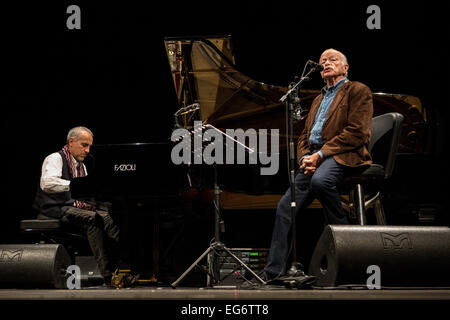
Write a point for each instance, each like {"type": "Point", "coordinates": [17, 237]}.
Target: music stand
{"type": "Point", "coordinates": [217, 247]}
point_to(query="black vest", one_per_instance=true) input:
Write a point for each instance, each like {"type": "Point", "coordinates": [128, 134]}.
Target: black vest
{"type": "Point", "coordinates": [50, 204]}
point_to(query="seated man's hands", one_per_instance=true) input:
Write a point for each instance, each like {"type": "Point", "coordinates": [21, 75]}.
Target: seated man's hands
{"type": "Point", "coordinates": [311, 163]}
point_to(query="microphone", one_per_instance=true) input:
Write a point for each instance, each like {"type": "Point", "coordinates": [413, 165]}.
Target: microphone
{"type": "Point", "coordinates": [194, 106]}
{"type": "Point", "coordinates": [189, 108]}
{"type": "Point", "coordinates": [316, 66]}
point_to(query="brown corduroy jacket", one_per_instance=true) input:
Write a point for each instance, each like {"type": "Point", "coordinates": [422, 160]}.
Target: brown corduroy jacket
{"type": "Point", "coordinates": [347, 126]}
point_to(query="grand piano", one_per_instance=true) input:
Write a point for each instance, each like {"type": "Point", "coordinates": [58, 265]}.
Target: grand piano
{"type": "Point", "coordinates": [204, 72]}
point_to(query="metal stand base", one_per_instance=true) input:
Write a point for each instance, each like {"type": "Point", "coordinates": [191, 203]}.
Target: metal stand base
{"type": "Point", "coordinates": [216, 248]}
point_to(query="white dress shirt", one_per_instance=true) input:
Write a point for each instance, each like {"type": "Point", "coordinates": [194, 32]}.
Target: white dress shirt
{"type": "Point", "coordinates": [51, 174]}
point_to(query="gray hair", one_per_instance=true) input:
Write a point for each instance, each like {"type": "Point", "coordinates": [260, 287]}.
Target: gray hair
{"type": "Point", "coordinates": [77, 131]}
{"type": "Point", "coordinates": [344, 62]}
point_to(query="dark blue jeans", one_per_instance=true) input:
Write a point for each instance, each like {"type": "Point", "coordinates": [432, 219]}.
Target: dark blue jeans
{"type": "Point", "coordinates": [321, 185]}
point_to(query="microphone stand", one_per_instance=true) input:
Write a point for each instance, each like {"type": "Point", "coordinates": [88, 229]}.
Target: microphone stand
{"type": "Point", "coordinates": [217, 248]}
{"type": "Point", "coordinates": [292, 101]}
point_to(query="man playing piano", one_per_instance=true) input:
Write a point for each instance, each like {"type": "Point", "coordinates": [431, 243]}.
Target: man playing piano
{"type": "Point", "coordinates": [54, 201]}
{"type": "Point", "coordinates": [334, 140]}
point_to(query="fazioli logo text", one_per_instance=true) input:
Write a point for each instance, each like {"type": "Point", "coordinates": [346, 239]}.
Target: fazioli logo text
{"type": "Point", "coordinates": [125, 167]}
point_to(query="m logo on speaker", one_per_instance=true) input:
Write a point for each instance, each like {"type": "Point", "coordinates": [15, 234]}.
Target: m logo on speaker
{"type": "Point", "coordinates": [396, 241]}
{"type": "Point", "coordinates": [11, 256]}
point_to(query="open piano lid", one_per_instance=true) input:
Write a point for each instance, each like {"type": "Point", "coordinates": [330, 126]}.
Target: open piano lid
{"type": "Point", "coordinates": [203, 72]}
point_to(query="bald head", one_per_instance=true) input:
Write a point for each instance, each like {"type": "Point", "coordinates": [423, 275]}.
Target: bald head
{"type": "Point", "coordinates": [337, 52]}
{"type": "Point", "coordinates": [335, 66]}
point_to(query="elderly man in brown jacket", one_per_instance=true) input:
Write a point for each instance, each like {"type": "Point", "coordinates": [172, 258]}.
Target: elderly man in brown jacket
{"type": "Point", "coordinates": [333, 142]}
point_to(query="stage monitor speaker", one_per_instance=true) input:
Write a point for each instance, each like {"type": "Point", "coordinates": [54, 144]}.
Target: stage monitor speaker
{"type": "Point", "coordinates": [33, 265]}
{"type": "Point", "coordinates": [90, 274]}
{"type": "Point", "coordinates": [406, 256]}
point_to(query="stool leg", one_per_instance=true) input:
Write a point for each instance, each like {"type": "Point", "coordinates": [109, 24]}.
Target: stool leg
{"type": "Point", "coordinates": [359, 205]}
{"type": "Point", "coordinates": [351, 204]}
{"type": "Point", "coordinates": [379, 211]}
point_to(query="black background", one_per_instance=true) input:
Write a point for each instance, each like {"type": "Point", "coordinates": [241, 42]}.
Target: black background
{"type": "Point", "coordinates": [113, 75]}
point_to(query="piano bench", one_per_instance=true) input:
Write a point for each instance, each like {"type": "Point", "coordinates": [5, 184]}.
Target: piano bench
{"type": "Point", "coordinates": [52, 231]}
{"type": "Point", "coordinates": [39, 225]}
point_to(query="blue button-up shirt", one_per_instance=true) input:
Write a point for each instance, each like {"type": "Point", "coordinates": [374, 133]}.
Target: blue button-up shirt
{"type": "Point", "coordinates": [315, 136]}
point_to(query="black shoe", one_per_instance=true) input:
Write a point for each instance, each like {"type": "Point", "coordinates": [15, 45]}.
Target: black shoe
{"type": "Point", "coordinates": [297, 278]}
{"type": "Point", "coordinates": [267, 276]}
{"type": "Point", "coordinates": [296, 270]}
{"type": "Point", "coordinates": [255, 282]}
